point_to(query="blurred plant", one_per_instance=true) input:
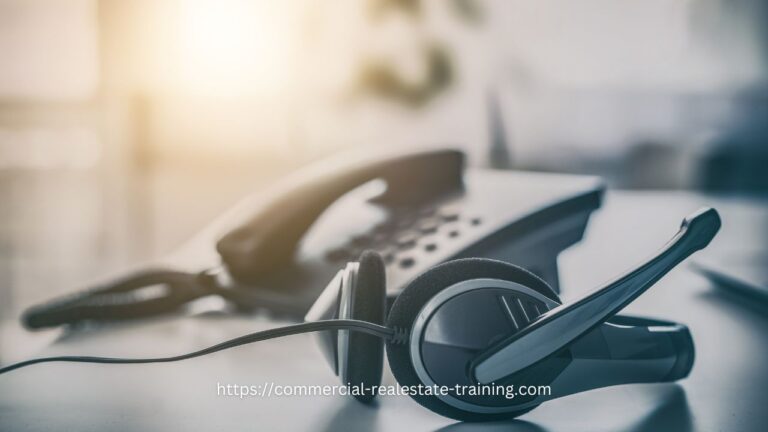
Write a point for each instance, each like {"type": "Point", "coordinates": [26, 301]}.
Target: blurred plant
{"type": "Point", "coordinates": [381, 78]}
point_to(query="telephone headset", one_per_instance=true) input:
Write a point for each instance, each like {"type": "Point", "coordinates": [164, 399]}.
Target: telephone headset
{"type": "Point", "coordinates": [476, 321]}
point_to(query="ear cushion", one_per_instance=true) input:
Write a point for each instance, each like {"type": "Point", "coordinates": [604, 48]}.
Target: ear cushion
{"type": "Point", "coordinates": [366, 352]}
{"type": "Point", "coordinates": [408, 305]}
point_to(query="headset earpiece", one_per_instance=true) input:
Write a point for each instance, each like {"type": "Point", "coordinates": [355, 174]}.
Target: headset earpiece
{"type": "Point", "coordinates": [357, 292]}
{"type": "Point", "coordinates": [490, 326]}
{"type": "Point", "coordinates": [462, 332]}
{"type": "Point", "coordinates": [365, 353]}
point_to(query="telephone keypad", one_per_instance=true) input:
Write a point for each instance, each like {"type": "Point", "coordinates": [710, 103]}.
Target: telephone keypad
{"type": "Point", "coordinates": [407, 240]}
{"type": "Point", "coordinates": [449, 213]}
{"type": "Point", "coordinates": [404, 230]}
{"type": "Point", "coordinates": [428, 226]}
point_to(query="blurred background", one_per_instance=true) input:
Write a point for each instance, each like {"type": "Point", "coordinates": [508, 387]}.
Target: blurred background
{"type": "Point", "coordinates": [126, 126]}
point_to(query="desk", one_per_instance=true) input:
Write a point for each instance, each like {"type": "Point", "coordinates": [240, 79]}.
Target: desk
{"type": "Point", "coordinates": [725, 391]}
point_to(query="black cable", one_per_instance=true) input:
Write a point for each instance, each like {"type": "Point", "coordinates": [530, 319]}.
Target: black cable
{"type": "Point", "coordinates": [353, 325]}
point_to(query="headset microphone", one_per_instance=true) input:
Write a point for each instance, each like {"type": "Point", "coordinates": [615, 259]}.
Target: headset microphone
{"type": "Point", "coordinates": [563, 324]}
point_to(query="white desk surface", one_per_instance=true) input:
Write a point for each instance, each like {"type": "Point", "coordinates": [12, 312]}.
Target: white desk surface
{"type": "Point", "coordinates": [727, 389]}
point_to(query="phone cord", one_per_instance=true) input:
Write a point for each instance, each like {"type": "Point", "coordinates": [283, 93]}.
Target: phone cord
{"type": "Point", "coordinates": [393, 335]}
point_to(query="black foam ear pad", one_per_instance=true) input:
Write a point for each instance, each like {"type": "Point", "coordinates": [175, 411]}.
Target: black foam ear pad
{"type": "Point", "coordinates": [408, 305]}
{"type": "Point", "coordinates": [366, 352]}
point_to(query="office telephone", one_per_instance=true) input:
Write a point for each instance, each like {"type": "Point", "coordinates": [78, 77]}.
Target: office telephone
{"type": "Point", "coordinates": [417, 208]}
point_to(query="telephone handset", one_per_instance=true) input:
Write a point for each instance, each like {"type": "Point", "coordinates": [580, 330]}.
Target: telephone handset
{"type": "Point", "coordinates": [280, 247]}
{"type": "Point", "coordinates": [432, 210]}
{"type": "Point", "coordinates": [270, 236]}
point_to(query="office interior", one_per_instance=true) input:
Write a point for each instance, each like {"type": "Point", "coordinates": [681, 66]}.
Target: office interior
{"type": "Point", "coordinates": [126, 127]}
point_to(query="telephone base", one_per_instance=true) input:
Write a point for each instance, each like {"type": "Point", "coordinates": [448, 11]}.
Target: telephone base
{"type": "Point", "coordinates": [526, 219]}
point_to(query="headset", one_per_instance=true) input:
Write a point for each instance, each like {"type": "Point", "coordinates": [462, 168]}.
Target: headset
{"type": "Point", "coordinates": [486, 324]}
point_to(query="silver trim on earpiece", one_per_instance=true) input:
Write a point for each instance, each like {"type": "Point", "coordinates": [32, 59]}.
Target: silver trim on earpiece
{"type": "Point", "coordinates": [348, 280]}
{"type": "Point", "coordinates": [433, 304]}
